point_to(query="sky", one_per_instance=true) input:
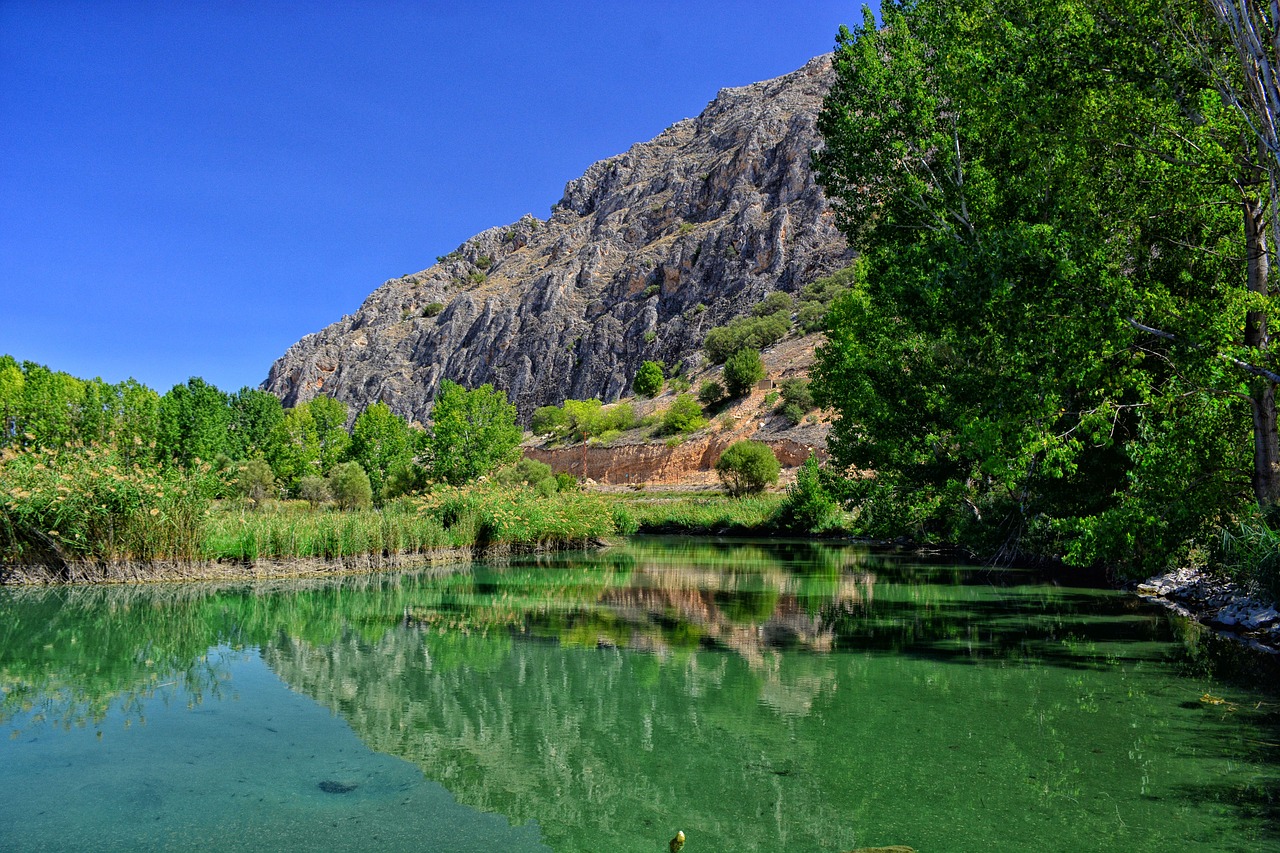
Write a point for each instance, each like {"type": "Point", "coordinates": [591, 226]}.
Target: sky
{"type": "Point", "coordinates": [186, 189]}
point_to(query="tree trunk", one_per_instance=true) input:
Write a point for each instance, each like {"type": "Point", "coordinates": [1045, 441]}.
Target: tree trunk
{"type": "Point", "coordinates": [1266, 440]}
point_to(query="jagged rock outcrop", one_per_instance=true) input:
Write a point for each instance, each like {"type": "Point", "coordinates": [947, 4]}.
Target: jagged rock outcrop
{"type": "Point", "coordinates": [644, 254]}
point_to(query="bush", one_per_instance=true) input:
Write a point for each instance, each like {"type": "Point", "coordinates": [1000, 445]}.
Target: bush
{"type": "Point", "coordinates": [745, 333]}
{"type": "Point", "coordinates": [350, 486]}
{"type": "Point", "coordinates": [710, 392]}
{"type": "Point", "coordinates": [648, 381]}
{"type": "Point", "coordinates": [742, 371]}
{"type": "Point", "coordinates": [797, 399]}
{"type": "Point", "coordinates": [525, 472]}
{"type": "Point", "coordinates": [775, 303]}
{"type": "Point", "coordinates": [431, 309]}
{"type": "Point", "coordinates": [254, 481]}
{"type": "Point", "coordinates": [747, 467]}
{"type": "Point", "coordinates": [817, 296]}
{"type": "Point", "coordinates": [809, 508]}
{"type": "Point", "coordinates": [566, 482]}
{"type": "Point", "coordinates": [683, 416]}
{"type": "Point", "coordinates": [314, 490]}
{"type": "Point", "coordinates": [549, 420]}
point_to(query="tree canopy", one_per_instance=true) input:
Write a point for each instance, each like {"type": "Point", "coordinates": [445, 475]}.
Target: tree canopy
{"type": "Point", "coordinates": [1047, 348]}
{"type": "Point", "coordinates": [472, 432]}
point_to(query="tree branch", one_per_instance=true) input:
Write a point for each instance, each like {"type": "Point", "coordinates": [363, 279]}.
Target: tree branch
{"type": "Point", "coordinates": [1252, 369]}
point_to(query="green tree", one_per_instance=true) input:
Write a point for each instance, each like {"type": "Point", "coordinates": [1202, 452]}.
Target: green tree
{"type": "Point", "coordinates": [254, 481]}
{"type": "Point", "coordinates": [710, 392]}
{"type": "Point", "coordinates": [1045, 354]}
{"type": "Point", "coordinates": [381, 442]}
{"type": "Point", "coordinates": [742, 371]}
{"type": "Point", "coordinates": [472, 432]}
{"type": "Point", "coordinates": [254, 424]}
{"type": "Point", "coordinates": [747, 467]}
{"type": "Point", "coordinates": [649, 379]}
{"type": "Point", "coordinates": [193, 423]}
{"type": "Point", "coordinates": [330, 417]}
{"type": "Point", "coordinates": [11, 382]}
{"type": "Point", "coordinates": [549, 420]}
{"type": "Point", "coordinates": [809, 507]}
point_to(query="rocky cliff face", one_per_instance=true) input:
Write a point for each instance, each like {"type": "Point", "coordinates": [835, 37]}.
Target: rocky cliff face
{"type": "Point", "coordinates": [644, 254]}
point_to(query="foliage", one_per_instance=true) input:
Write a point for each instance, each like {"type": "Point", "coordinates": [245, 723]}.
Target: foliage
{"type": "Point", "coordinates": [817, 296]}
{"type": "Point", "coordinates": [310, 439]}
{"type": "Point", "coordinates": [581, 420]}
{"type": "Point", "coordinates": [683, 416]}
{"type": "Point", "coordinates": [1030, 187]}
{"type": "Point", "coordinates": [710, 392]}
{"type": "Point", "coordinates": [549, 420]}
{"type": "Point", "coordinates": [253, 423]}
{"type": "Point", "coordinates": [755, 333]}
{"type": "Point", "coordinates": [526, 472]}
{"type": "Point", "coordinates": [314, 490]}
{"type": "Point", "coordinates": [472, 432]}
{"type": "Point", "coordinates": [89, 504]}
{"type": "Point", "coordinates": [254, 481]}
{"type": "Point", "coordinates": [349, 485]}
{"type": "Point", "coordinates": [382, 442]}
{"type": "Point", "coordinates": [742, 371]}
{"type": "Point", "coordinates": [648, 381]}
{"type": "Point", "coordinates": [747, 467]}
{"type": "Point", "coordinates": [797, 399]}
{"type": "Point", "coordinates": [808, 507]}
{"type": "Point", "coordinates": [431, 309]}
{"type": "Point", "coordinates": [777, 302]}
{"type": "Point", "coordinates": [708, 514]}
{"type": "Point", "coordinates": [195, 421]}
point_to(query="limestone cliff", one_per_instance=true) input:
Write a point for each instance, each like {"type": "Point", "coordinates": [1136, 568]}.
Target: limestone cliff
{"type": "Point", "coordinates": [644, 254]}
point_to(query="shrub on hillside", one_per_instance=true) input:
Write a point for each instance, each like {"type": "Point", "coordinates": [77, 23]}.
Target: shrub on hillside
{"type": "Point", "coordinates": [648, 381]}
{"type": "Point", "coordinates": [683, 416]}
{"type": "Point", "coordinates": [742, 371]}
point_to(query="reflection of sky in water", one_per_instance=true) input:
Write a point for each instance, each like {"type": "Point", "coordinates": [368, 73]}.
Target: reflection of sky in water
{"type": "Point", "coordinates": [759, 696]}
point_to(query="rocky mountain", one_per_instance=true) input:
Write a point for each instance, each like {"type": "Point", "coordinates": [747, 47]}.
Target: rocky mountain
{"type": "Point", "coordinates": [642, 256]}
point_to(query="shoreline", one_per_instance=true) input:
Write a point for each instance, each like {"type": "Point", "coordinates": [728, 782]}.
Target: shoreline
{"type": "Point", "coordinates": [293, 568]}
{"type": "Point", "coordinates": [1218, 603]}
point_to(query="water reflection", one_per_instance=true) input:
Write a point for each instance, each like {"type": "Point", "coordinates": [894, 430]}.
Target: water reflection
{"type": "Point", "coordinates": [758, 695]}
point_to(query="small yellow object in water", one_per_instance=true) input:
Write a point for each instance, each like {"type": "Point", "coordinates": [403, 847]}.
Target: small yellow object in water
{"type": "Point", "coordinates": [677, 843]}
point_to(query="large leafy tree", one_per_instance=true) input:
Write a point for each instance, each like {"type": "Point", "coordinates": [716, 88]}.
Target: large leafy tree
{"type": "Point", "coordinates": [1051, 349]}
{"type": "Point", "coordinates": [382, 442]}
{"type": "Point", "coordinates": [254, 423]}
{"type": "Point", "coordinates": [193, 423]}
{"type": "Point", "coordinates": [472, 432]}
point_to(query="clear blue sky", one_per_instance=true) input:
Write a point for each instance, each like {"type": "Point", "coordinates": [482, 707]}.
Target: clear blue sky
{"type": "Point", "coordinates": [188, 188]}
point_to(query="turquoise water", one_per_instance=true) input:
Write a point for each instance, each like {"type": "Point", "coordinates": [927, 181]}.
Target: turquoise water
{"type": "Point", "coordinates": [759, 696]}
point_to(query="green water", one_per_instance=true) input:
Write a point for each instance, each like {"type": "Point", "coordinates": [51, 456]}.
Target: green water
{"type": "Point", "coordinates": [759, 696]}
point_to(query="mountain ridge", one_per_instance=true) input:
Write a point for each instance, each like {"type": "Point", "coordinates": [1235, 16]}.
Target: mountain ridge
{"type": "Point", "coordinates": [644, 253]}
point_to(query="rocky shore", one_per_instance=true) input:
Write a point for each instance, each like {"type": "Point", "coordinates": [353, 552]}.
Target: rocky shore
{"type": "Point", "coordinates": [1219, 603]}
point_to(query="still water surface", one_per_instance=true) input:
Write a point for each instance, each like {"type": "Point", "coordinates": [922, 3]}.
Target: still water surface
{"type": "Point", "coordinates": [759, 696]}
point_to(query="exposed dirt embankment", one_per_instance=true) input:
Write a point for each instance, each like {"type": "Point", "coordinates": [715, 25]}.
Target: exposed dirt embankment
{"type": "Point", "coordinates": [690, 464]}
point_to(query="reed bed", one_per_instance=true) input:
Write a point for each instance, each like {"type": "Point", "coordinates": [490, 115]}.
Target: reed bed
{"type": "Point", "coordinates": [707, 514]}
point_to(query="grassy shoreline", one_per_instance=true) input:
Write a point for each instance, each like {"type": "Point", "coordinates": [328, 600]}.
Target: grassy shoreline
{"type": "Point", "coordinates": [449, 525]}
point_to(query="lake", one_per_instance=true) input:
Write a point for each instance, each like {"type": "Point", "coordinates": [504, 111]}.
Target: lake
{"type": "Point", "coordinates": [759, 696]}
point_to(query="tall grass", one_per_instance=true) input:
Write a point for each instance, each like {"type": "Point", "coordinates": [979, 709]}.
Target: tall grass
{"type": "Point", "coordinates": [1250, 554]}
{"type": "Point", "coordinates": [449, 517]}
{"type": "Point", "coordinates": [696, 514]}
{"type": "Point", "coordinates": [89, 505]}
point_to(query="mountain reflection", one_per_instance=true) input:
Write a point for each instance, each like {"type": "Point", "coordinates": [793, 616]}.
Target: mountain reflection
{"type": "Point", "coordinates": [760, 696]}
